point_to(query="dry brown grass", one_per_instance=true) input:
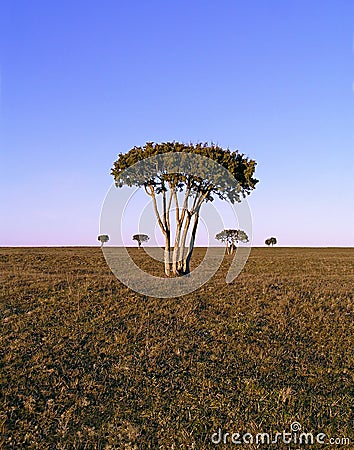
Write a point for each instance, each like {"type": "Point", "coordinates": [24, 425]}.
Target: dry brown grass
{"type": "Point", "coordinates": [88, 364]}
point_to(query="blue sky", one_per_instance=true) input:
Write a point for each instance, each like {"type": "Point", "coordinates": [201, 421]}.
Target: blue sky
{"type": "Point", "coordinates": [83, 81]}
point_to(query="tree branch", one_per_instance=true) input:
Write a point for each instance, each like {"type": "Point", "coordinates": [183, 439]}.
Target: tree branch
{"type": "Point", "coordinates": [202, 198]}
{"type": "Point", "coordinates": [164, 218]}
{"type": "Point", "coordinates": [176, 205]}
{"type": "Point", "coordinates": [157, 213]}
{"type": "Point", "coordinates": [151, 191]}
{"type": "Point", "coordinates": [168, 208]}
{"type": "Point", "coordinates": [185, 204]}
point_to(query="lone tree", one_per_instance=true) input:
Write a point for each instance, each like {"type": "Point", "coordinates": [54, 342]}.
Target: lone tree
{"type": "Point", "coordinates": [103, 238]}
{"type": "Point", "coordinates": [192, 178]}
{"type": "Point", "coordinates": [230, 238]}
{"type": "Point", "coordinates": [140, 238]}
{"type": "Point", "coordinates": [271, 241]}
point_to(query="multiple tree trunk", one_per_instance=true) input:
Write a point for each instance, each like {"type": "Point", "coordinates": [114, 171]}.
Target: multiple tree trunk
{"type": "Point", "coordinates": [178, 254]}
{"type": "Point", "coordinates": [230, 249]}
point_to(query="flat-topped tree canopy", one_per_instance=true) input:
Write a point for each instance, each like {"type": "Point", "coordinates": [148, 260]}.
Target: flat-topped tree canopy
{"type": "Point", "coordinates": [140, 238]}
{"type": "Point", "coordinates": [182, 171]}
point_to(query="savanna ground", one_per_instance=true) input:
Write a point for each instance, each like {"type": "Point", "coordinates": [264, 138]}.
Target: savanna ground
{"type": "Point", "coordinates": [88, 364]}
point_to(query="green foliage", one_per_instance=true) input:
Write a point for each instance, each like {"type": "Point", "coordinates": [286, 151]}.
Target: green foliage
{"type": "Point", "coordinates": [140, 238]}
{"type": "Point", "coordinates": [270, 241]}
{"type": "Point", "coordinates": [103, 238]}
{"type": "Point", "coordinates": [230, 237]}
{"type": "Point", "coordinates": [183, 171]}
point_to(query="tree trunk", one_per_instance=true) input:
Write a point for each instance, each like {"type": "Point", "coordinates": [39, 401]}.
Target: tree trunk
{"type": "Point", "coordinates": [186, 265]}
{"type": "Point", "coordinates": [167, 255]}
{"type": "Point", "coordinates": [176, 249]}
{"type": "Point", "coordinates": [181, 263]}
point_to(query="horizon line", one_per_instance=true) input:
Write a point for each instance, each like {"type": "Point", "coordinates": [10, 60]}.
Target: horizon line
{"type": "Point", "coordinates": [157, 246]}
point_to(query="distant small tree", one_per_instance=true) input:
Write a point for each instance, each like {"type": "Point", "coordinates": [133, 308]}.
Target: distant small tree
{"type": "Point", "coordinates": [271, 241]}
{"type": "Point", "coordinates": [230, 238]}
{"type": "Point", "coordinates": [103, 238]}
{"type": "Point", "coordinates": [140, 238]}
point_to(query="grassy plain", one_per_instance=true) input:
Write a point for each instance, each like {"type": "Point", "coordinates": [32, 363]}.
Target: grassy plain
{"type": "Point", "coordinates": [88, 364]}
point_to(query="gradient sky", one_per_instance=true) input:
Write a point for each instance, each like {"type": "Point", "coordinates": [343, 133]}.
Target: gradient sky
{"type": "Point", "coordinates": [82, 81]}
